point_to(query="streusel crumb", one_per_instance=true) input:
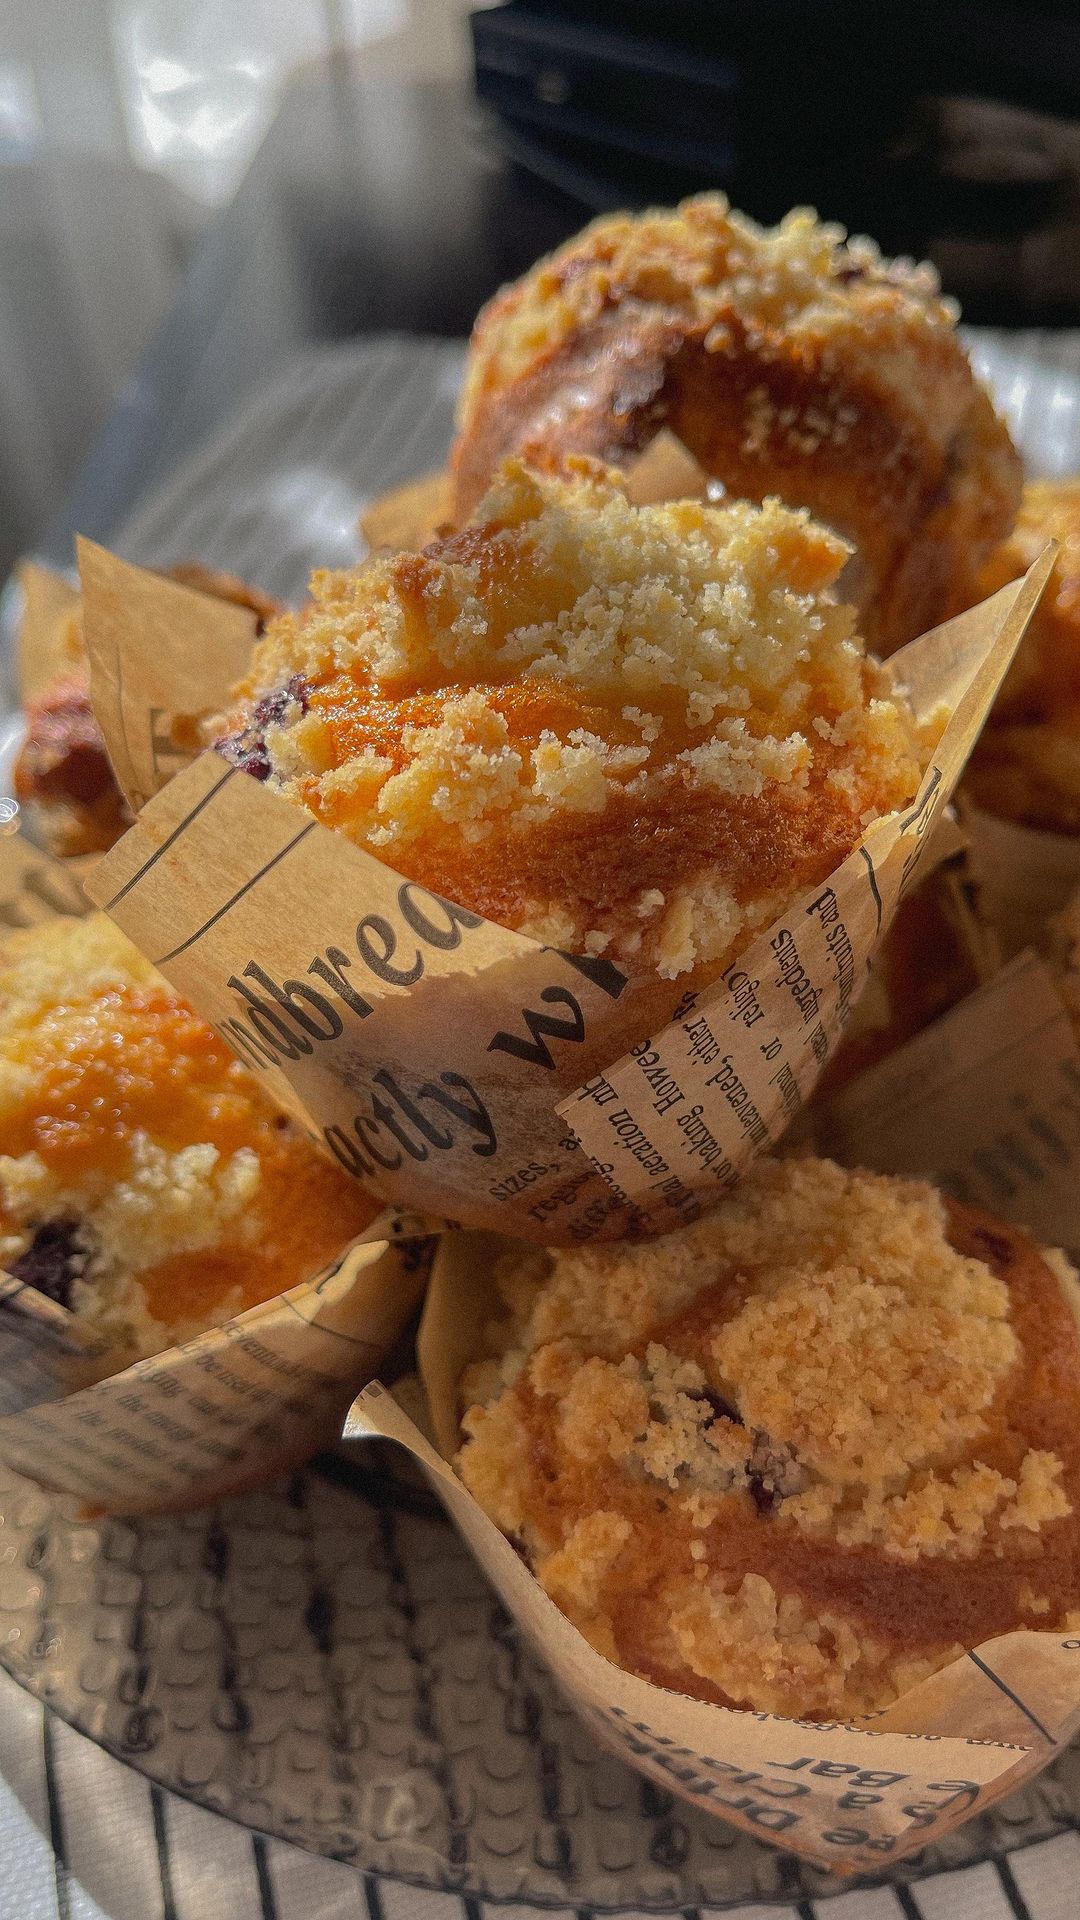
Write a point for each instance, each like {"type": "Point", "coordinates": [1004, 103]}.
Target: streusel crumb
{"type": "Point", "coordinates": [797, 1455]}
{"type": "Point", "coordinates": [626, 730]}
{"type": "Point", "coordinates": [146, 1179]}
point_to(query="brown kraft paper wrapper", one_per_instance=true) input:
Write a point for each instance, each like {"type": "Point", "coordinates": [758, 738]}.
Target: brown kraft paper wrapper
{"type": "Point", "coordinates": [987, 1101]}
{"type": "Point", "coordinates": [192, 648]}
{"type": "Point", "coordinates": [846, 1797]}
{"type": "Point", "coordinates": [225, 1409]}
{"type": "Point", "coordinates": [1022, 875]}
{"type": "Point", "coordinates": [444, 1057]}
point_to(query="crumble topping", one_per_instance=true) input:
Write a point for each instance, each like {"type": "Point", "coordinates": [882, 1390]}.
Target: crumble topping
{"type": "Point", "coordinates": [617, 728]}
{"type": "Point", "coordinates": [146, 1180]}
{"type": "Point", "coordinates": [737, 1455]}
{"type": "Point", "coordinates": [713, 266]}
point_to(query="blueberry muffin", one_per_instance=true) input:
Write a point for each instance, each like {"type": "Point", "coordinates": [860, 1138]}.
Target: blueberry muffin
{"type": "Point", "coordinates": [635, 731]}
{"type": "Point", "coordinates": [789, 360]}
{"type": "Point", "coordinates": [796, 1457]}
{"type": "Point", "coordinates": [146, 1179]}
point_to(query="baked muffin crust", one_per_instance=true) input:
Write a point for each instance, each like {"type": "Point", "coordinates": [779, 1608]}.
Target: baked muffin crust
{"type": "Point", "coordinates": [146, 1180]}
{"type": "Point", "coordinates": [630, 730]}
{"type": "Point", "coordinates": [797, 1456]}
{"type": "Point", "coordinates": [790, 361]}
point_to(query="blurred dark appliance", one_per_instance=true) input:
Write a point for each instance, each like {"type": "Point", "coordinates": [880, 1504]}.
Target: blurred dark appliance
{"type": "Point", "coordinates": [952, 131]}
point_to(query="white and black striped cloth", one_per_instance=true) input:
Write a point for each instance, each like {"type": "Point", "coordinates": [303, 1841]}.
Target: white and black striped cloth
{"type": "Point", "coordinates": [83, 1837]}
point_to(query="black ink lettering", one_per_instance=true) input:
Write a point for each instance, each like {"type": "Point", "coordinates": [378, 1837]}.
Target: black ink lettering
{"type": "Point", "coordinates": [292, 991]}
{"type": "Point", "coordinates": [603, 973]}
{"type": "Point", "coordinates": [262, 1016]}
{"type": "Point", "coordinates": [445, 938]}
{"type": "Point", "coordinates": [384, 1078]}
{"type": "Point", "coordinates": [235, 1035]}
{"type": "Point", "coordinates": [373, 927]}
{"type": "Point", "coordinates": [475, 1116]}
{"type": "Point", "coordinates": [330, 970]}
{"type": "Point", "coordinates": [535, 1052]}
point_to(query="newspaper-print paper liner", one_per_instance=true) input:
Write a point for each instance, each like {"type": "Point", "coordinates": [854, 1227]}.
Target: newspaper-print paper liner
{"type": "Point", "coordinates": [144, 721]}
{"type": "Point", "coordinates": [456, 1066]}
{"type": "Point", "coordinates": [987, 1100]}
{"type": "Point", "coordinates": [936, 952]}
{"type": "Point", "coordinates": [223, 1410]}
{"type": "Point", "coordinates": [1023, 875]}
{"type": "Point", "coordinates": [846, 1797]}
{"type": "Point", "coordinates": [720, 1084]}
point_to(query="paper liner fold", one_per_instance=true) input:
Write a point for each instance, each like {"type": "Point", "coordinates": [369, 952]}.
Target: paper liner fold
{"type": "Point", "coordinates": [192, 648]}
{"type": "Point", "coordinates": [227, 1408]}
{"type": "Point", "coordinates": [1022, 875]}
{"type": "Point", "coordinates": [410, 515]}
{"type": "Point", "coordinates": [465, 1070]}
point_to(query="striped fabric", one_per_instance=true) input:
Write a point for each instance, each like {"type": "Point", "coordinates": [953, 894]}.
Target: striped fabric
{"type": "Point", "coordinates": [83, 1837]}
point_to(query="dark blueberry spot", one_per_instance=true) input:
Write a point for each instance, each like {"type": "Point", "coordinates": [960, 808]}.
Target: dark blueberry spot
{"type": "Point", "coordinates": [57, 1256]}
{"type": "Point", "coordinates": [722, 1408]}
{"type": "Point", "coordinates": [271, 709]}
{"type": "Point", "coordinates": [764, 1498]}
{"type": "Point", "coordinates": [246, 748]}
{"type": "Point", "coordinates": [256, 763]}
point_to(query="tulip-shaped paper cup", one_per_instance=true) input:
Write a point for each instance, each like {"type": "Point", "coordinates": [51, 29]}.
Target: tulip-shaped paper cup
{"type": "Point", "coordinates": [849, 1797]}
{"type": "Point", "coordinates": [462, 1069]}
{"type": "Point", "coordinates": [224, 1410]}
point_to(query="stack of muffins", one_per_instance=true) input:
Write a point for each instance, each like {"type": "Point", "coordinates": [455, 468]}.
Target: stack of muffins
{"type": "Point", "coordinates": [799, 1455]}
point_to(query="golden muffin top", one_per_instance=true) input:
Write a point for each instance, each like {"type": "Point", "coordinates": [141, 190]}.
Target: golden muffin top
{"type": "Point", "coordinates": [146, 1179]}
{"type": "Point", "coordinates": [794, 1456]}
{"type": "Point", "coordinates": [709, 264]}
{"type": "Point", "coordinates": [633, 730]}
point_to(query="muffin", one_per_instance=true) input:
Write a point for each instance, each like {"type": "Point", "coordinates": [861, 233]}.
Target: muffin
{"type": "Point", "coordinates": [146, 1180]}
{"type": "Point", "coordinates": [63, 777]}
{"type": "Point", "coordinates": [1026, 765]}
{"type": "Point", "coordinates": [789, 361]}
{"type": "Point", "coordinates": [797, 1457]}
{"type": "Point", "coordinates": [630, 731]}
